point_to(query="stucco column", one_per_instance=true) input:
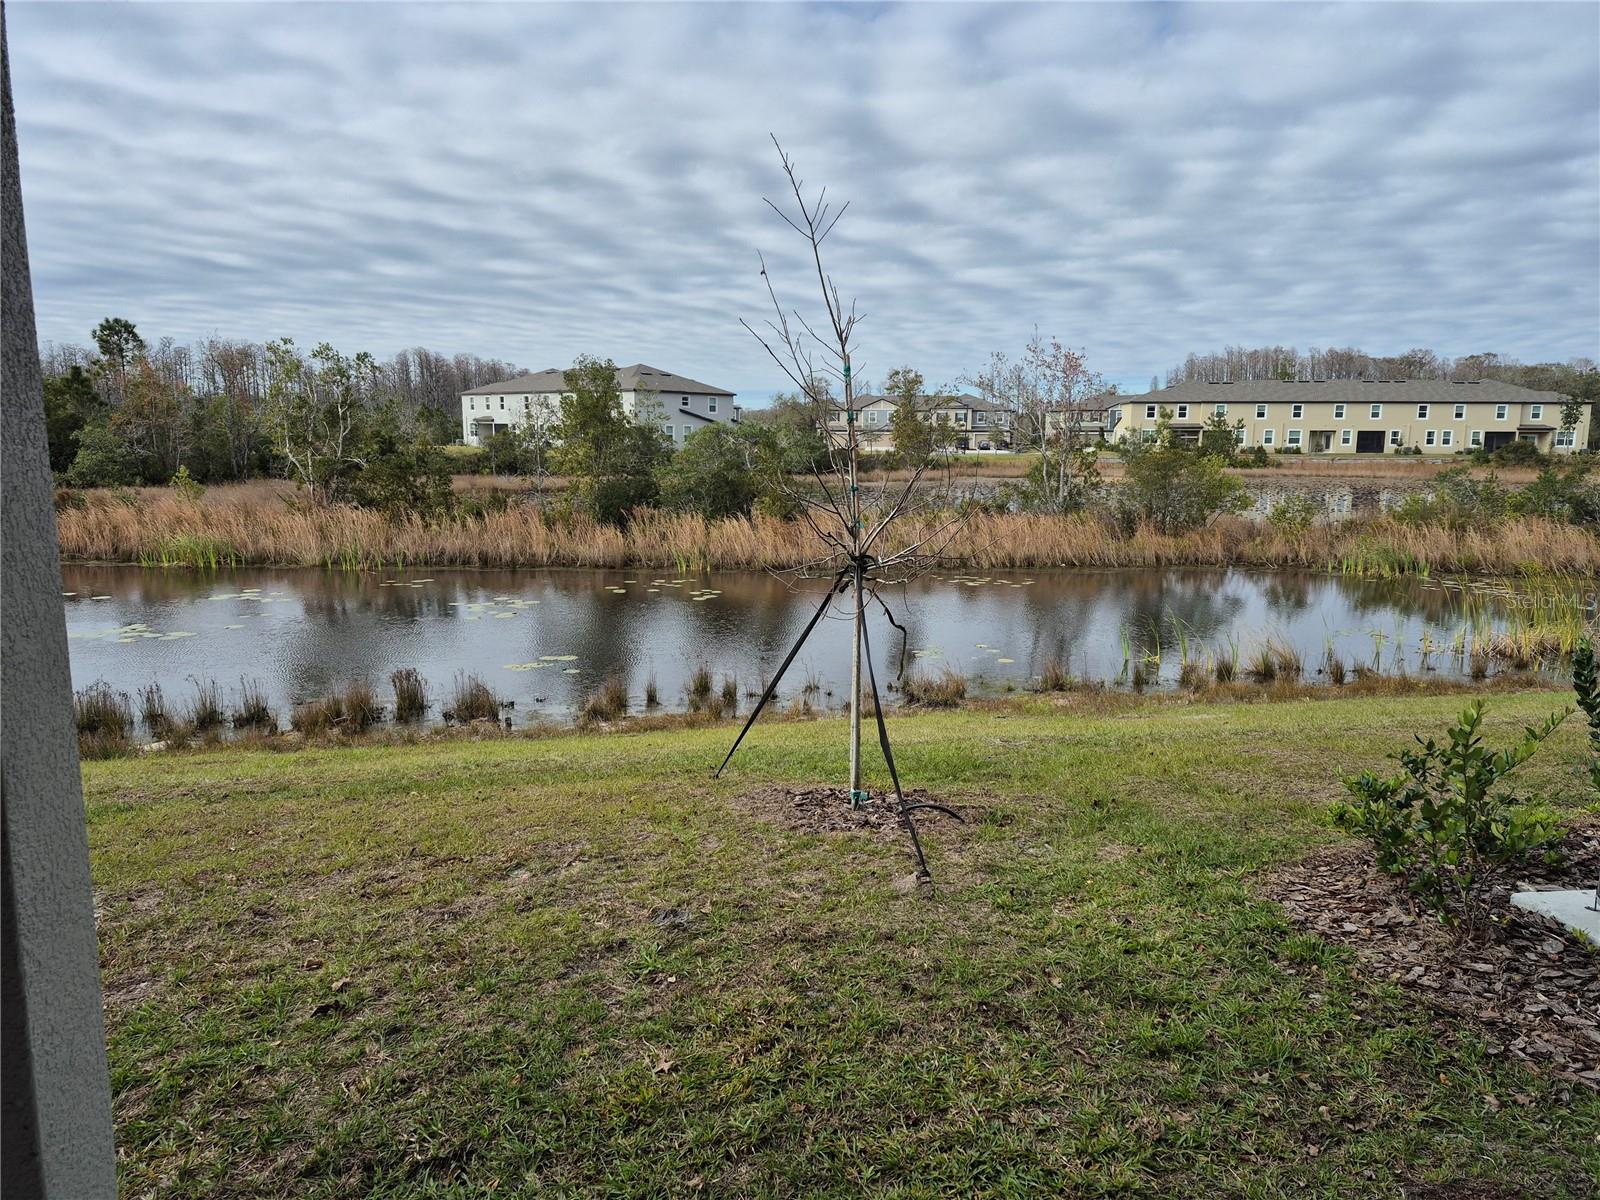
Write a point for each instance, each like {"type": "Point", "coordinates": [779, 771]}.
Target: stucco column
{"type": "Point", "coordinates": [55, 1094]}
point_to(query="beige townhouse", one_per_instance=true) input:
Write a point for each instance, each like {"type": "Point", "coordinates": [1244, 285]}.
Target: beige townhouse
{"type": "Point", "coordinates": [975, 424]}
{"type": "Point", "coordinates": [1355, 416]}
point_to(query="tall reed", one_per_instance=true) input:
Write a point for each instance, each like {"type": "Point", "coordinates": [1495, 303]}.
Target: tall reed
{"type": "Point", "coordinates": [410, 694]}
{"type": "Point", "coordinates": [263, 523]}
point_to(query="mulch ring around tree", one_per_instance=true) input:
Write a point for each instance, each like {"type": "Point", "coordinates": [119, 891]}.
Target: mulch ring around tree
{"type": "Point", "coordinates": [1527, 980]}
{"type": "Point", "coordinates": [812, 809]}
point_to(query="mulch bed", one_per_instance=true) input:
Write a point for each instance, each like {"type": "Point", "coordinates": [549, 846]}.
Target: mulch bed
{"type": "Point", "coordinates": [1527, 981]}
{"type": "Point", "coordinates": [811, 809]}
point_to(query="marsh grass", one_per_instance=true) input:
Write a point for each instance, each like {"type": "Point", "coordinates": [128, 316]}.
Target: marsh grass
{"type": "Point", "coordinates": [944, 689]}
{"type": "Point", "coordinates": [253, 524]}
{"type": "Point", "coordinates": [207, 712]}
{"type": "Point", "coordinates": [1055, 677]}
{"type": "Point", "coordinates": [153, 711]}
{"type": "Point", "coordinates": [361, 708]}
{"type": "Point", "coordinates": [1225, 666]}
{"type": "Point", "coordinates": [608, 702]}
{"type": "Point", "coordinates": [319, 716]}
{"type": "Point", "coordinates": [410, 694]}
{"type": "Point", "coordinates": [472, 700]}
{"type": "Point", "coordinates": [99, 710]}
{"type": "Point", "coordinates": [652, 694]}
{"type": "Point", "coordinates": [1333, 667]}
{"type": "Point", "coordinates": [253, 711]}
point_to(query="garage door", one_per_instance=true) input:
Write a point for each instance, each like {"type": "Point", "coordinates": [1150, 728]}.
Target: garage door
{"type": "Point", "coordinates": [1369, 441]}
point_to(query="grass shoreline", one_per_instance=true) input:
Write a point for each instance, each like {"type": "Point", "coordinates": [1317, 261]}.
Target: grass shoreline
{"type": "Point", "coordinates": [254, 525]}
{"type": "Point", "coordinates": [583, 967]}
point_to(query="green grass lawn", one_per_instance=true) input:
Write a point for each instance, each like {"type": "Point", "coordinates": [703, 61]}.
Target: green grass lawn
{"type": "Point", "coordinates": [577, 966]}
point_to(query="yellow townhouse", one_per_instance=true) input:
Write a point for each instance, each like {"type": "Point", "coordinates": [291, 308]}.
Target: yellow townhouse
{"type": "Point", "coordinates": [1356, 416]}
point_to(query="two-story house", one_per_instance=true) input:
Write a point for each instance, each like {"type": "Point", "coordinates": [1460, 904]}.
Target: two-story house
{"type": "Point", "coordinates": [1358, 416]}
{"type": "Point", "coordinates": [681, 405]}
{"type": "Point", "coordinates": [974, 423]}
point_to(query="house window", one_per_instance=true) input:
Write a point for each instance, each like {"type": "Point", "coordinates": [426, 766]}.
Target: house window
{"type": "Point", "coordinates": [1429, 439]}
{"type": "Point", "coordinates": [502, 404]}
{"type": "Point", "coordinates": [1266, 437]}
{"type": "Point", "coordinates": [1535, 412]}
{"type": "Point", "coordinates": [1566, 438]}
{"type": "Point", "coordinates": [1221, 410]}
{"type": "Point", "coordinates": [711, 404]}
{"type": "Point", "coordinates": [1394, 437]}
{"type": "Point", "coordinates": [1294, 436]}
{"type": "Point", "coordinates": [669, 431]}
{"type": "Point", "coordinates": [1344, 437]}
{"type": "Point", "coordinates": [1296, 411]}
{"type": "Point", "coordinates": [1422, 412]}
{"type": "Point", "coordinates": [1261, 411]}
{"type": "Point", "coordinates": [1499, 412]}
{"type": "Point", "coordinates": [1476, 439]}
{"type": "Point", "coordinates": [1338, 412]}
{"type": "Point", "coordinates": [1447, 437]}
{"type": "Point", "coordinates": [1239, 429]}
{"type": "Point", "coordinates": [1149, 434]}
{"type": "Point", "coordinates": [684, 403]}
{"type": "Point", "coordinates": [1150, 412]}
{"type": "Point", "coordinates": [1376, 411]}
{"type": "Point", "coordinates": [1183, 412]}
{"type": "Point", "coordinates": [1461, 412]}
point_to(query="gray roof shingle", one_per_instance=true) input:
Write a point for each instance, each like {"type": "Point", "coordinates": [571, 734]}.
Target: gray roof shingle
{"type": "Point", "coordinates": [1348, 391]}
{"type": "Point", "coordinates": [629, 379]}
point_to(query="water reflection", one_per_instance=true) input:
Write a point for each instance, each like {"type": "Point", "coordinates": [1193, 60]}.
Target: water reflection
{"type": "Point", "coordinates": [545, 638]}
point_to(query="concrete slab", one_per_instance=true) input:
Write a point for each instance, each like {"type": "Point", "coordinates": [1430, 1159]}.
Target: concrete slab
{"type": "Point", "coordinates": [1574, 909]}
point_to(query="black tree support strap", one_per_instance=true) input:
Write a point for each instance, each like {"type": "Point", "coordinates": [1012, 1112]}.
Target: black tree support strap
{"type": "Point", "coordinates": [905, 809]}
{"type": "Point", "coordinates": [795, 649]}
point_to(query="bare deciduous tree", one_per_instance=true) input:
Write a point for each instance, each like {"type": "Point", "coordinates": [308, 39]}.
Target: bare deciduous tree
{"type": "Point", "coordinates": [851, 521]}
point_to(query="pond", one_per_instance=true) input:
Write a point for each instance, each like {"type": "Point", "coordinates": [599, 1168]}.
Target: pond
{"type": "Point", "coordinates": [546, 638]}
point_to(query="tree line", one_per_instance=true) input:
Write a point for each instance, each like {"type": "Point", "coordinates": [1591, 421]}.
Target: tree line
{"type": "Point", "coordinates": [127, 411]}
{"type": "Point", "coordinates": [1240, 364]}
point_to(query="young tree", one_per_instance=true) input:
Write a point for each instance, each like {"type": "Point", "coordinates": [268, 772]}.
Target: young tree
{"type": "Point", "coordinates": [1173, 488]}
{"type": "Point", "coordinates": [814, 354]}
{"type": "Point", "coordinates": [611, 458]}
{"type": "Point", "coordinates": [1219, 438]}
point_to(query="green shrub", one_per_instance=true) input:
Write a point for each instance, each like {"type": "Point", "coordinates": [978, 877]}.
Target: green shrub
{"type": "Point", "coordinates": [1586, 683]}
{"type": "Point", "coordinates": [1443, 822]}
{"type": "Point", "coordinates": [1293, 515]}
{"type": "Point", "coordinates": [1174, 488]}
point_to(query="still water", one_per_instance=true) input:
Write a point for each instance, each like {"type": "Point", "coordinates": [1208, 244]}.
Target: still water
{"type": "Point", "coordinates": [545, 638]}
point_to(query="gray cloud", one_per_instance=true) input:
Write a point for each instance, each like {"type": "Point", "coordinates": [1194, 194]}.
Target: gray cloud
{"type": "Point", "coordinates": [532, 182]}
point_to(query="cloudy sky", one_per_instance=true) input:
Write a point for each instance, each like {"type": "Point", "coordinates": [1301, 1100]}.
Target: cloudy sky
{"type": "Point", "coordinates": [532, 182]}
